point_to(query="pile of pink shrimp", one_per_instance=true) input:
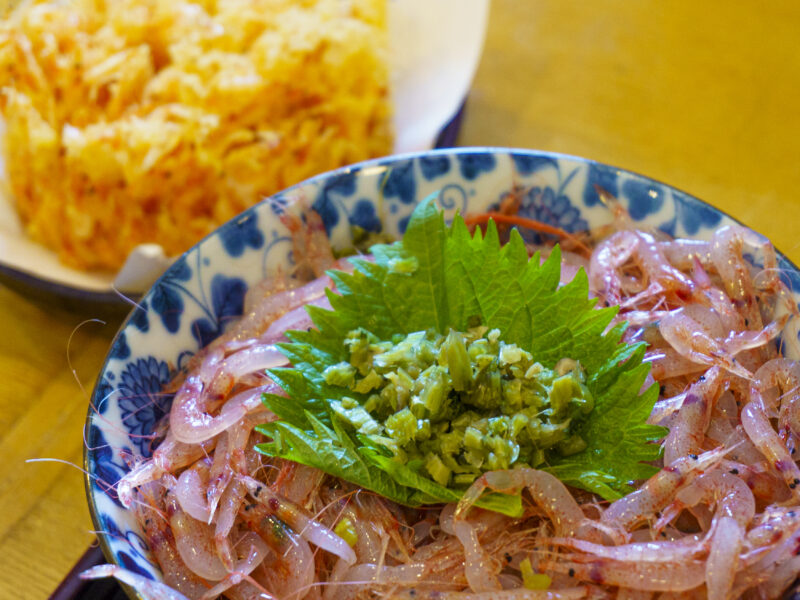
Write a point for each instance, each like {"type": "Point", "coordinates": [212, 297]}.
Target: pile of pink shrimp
{"type": "Point", "coordinates": [721, 519]}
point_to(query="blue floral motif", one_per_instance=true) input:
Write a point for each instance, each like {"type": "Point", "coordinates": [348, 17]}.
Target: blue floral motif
{"type": "Point", "coordinates": [227, 302]}
{"type": "Point", "coordinates": [529, 163]}
{"type": "Point", "coordinates": [179, 270]}
{"type": "Point", "coordinates": [402, 224]}
{"type": "Point", "coordinates": [166, 299]}
{"type": "Point", "coordinates": [399, 182]}
{"type": "Point", "coordinates": [130, 563]}
{"type": "Point", "coordinates": [237, 235]}
{"type": "Point", "coordinates": [137, 544]}
{"type": "Point", "coordinates": [644, 198]}
{"type": "Point", "coordinates": [545, 205]}
{"type": "Point", "coordinates": [343, 184]}
{"type": "Point", "coordinates": [105, 469]}
{"type": "Point", "coordinates": [364, 216]}
{"type": "Point", "coordinates": [139, 317]}
{"type": "Point", "coordinates": [120, 349]}
{"type": "Point", "coordinates": [602, 176]}
{"type": "Point", "coordinates": [434, 166]}
{"type": "Point", "coordinates": [694, 215]}
{"type": "Point", "coordinates": [110, 528]}
{"type": "Point", "coordinates": [141, 401]}
{"type": "Point", "coordinates": [102, 395]}
{"type": "Point", "coordinates": [168, 304]}
{"type": "Point", "coordinates": [789, 274]}
{"type": "Point", "coordinates": [453, 196]}
{"type": "Point", "coordinates": [472, 165]}
{"type": "Point", "coordinates": [183, 359]}
{"type": "Point", "coordinates": [278, 203]}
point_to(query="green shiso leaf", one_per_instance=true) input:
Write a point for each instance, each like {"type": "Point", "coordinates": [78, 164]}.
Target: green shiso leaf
{"type": "Point", "coordinates": [457, 280]}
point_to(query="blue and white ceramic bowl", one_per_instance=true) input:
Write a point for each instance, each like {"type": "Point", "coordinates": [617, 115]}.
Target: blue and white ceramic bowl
{"type": "Point", "coordinates": [189, 304]}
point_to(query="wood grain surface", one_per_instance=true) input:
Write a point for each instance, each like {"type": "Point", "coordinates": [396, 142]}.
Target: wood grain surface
{"type": "Point", "coordinates": [703, 96]}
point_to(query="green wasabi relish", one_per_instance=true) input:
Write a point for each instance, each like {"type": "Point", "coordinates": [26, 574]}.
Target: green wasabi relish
{"type": "Point", "coordinates": [460, 404]}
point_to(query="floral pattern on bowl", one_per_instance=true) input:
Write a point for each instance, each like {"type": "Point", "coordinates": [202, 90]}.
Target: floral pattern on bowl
{"type": "Point", "coordinates": [190, 304]}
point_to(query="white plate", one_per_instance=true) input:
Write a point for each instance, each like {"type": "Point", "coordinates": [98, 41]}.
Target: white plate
{"type": "Point", "coordinates": [435, 49]}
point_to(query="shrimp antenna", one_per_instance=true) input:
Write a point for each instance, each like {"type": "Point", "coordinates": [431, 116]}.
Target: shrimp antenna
{"type": "Point", "coordinates": [125, 298]}
{"type": "Point", "coordinates": [69, 344]}
{"type": "Point", "coordinates": [103, 484]}
{"type": "Point", "coordinates": [118, 536]}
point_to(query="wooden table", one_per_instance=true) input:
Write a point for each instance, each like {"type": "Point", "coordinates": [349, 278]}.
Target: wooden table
{"type": "Point", "coordinates": [703, 96]}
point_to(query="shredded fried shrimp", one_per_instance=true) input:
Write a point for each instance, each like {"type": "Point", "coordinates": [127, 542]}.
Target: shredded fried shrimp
{"type": "Point", "coordinates": [135, 121]}
{"type": "Point", "coordinates": [721, 519]}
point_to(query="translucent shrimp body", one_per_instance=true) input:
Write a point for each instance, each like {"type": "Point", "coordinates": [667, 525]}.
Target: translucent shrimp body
{"type": "Point", "coordinates": [688, 428]}
{"type": "Point", "coordinates": [661, 576]}
{"type": "Point", "coordinates": [669, 551]}
{"type": "Point", "coordinates": [298, 520]}
{"type": "Point", "coordinates": [605, 268]}
{"type": "Point", "coordinates": [660, 489]}
{"type": "Point", "coordinates": [766, 439]}
{"type": "Point", "coordinates": [169, 456]}
{"type": "Point", "coordinates": [719, 519]}
{"type": "Point", "coordinates": [726, 253]}
{"type": "Point", "coordinates": [784, 375]}
{"type": "Point", "coordinates": [190, 419]}
{"type": "Point", "coordinates": [694, 342]}
{"type": "Point", "coordinates": [547, 491]}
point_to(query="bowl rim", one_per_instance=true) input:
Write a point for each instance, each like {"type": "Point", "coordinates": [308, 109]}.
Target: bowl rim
{"type": "Point", "coordinates": [385, 161]}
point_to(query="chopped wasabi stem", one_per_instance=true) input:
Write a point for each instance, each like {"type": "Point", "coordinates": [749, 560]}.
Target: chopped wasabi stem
{"type": "Point", "coordinates": [531, 579]}
{"type": "Point", "coordinates": [473, 439]}
{"type": "Point", "coordinates": [518, 423]}
{"type": "Point", "coordinates": [464, 479]}
{"type": "Point", "coordinates": [347, 531]}
{"type": "Point", "coordinates": [349, 403]}
{"type": "Point", "coordinates": [533, 371]}
{"type": "Point", "coordinates": [358, 344]}
{"type": "Point", "coordinates": [357, 417]}
{"type": "Point", "coordinates": [402, 426]}
{"type": "Point", "coordinates": [373, 403]}
{"type": "Point", "coordinates": [437, 469]}
{"type": "Point", "coordinates": [457, 361]}
{"type": "Point", "coordinates": [452, 442]}
{"type": "Point", "coordinates": [460, 404]}
{"type": "Point", "coordinates": [564, 389]}
{"type": "Point", "coordinates": [341, 374]}
{"type": "Point", "coordinates": [404, 266]}
{"type": "Point", "coordinates": [435, 389]}
{"type": "Point", "coordinates": [391, 445]}
{"type": "Point", "coordinates": [423, 430]}
{"type": "Point", "coordinates": [370, 382]}
{"type": "Point", "coordinates": [511, 353]}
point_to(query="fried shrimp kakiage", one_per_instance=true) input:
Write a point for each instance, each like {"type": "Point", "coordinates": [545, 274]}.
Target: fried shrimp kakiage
{"type": "Point", "coordinates": [720, 518]}
{"type": "Point", "coordinates": [129, 122]}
